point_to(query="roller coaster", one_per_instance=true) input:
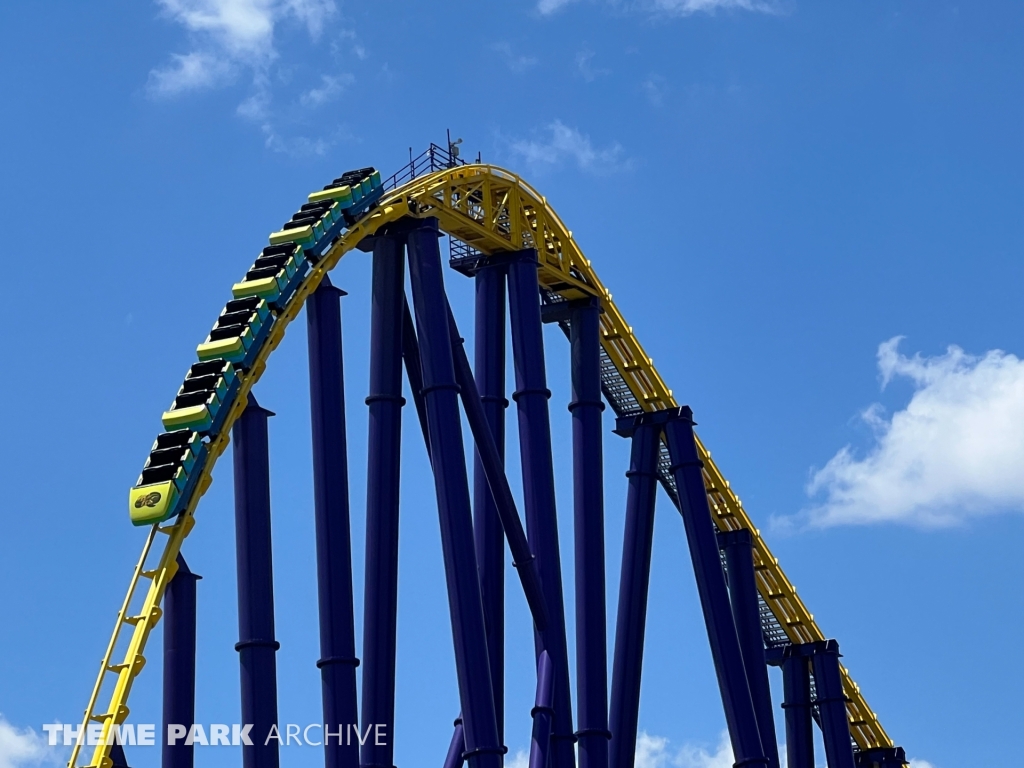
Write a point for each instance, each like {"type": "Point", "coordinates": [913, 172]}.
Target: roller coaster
{"type": "Point", "coordinates": [527, 270]}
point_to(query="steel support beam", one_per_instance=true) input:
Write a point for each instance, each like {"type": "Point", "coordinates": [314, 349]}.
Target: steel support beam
{"type": "Point", "coordinates": [494, 473]}
{"type": "Point", "coordinates": [454, 758]}
{"type": "Point", "coordinates": [831, 702]}
{"type": "Point", "coordinates": [441, 396]}
{"type": "Point", "coordinates": [333, 536]}
{"type": "Point", "coordinates": [631, 619]}
{"type": "Point", "coordinates": [411, 356]}
{"type": "Point", "coordinates": [738, 547]}
{"type": "Point", "coordinates": [714, 597]}
{"type": "Point", "coordinates": [531, 397]}
{"type": "Point", "coordinates": [542, 714]}
{"type": "Point", "coordinates": [796, 689]}
{"type": "Point", "coordinates": [385, 401]}
{"type": "Point", "coordinates": [489, 358]}
{"type": "Point", "coordinates": [256, 646]}
{"type": "Point", "coordinates": [882, 757]}
{"type": "Point", "coordinates": [179, 663]}
{"type": "Point", "coordinates": [592, 732]}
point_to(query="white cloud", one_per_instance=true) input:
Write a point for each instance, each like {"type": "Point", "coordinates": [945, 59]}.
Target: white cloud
{"type": "Point", "coordinates": [680, 7]}
{"type": "Point", "coordinates": [690, 7]}
{"type": "Point", "coordinates": [915, 763]}
{"type": "Point", "coordinates": [584, 65]}
{"type": "Point", "coordinates": [303, 146]}
{"type": "Point", "coordinates": [23, 747]}
{"type": "Point", "coordinates": [313, 13]}
{"type": "Point", "coordinates": [330, 87]}
{"type": "Point", "coordinates": [563, 143]}
{"type": "Point", "coordinates": [697, 757]}
{"type": "Point", "coordinates": [521, 760]}
{"type": "Point", "coordinates": [189, 72]}
{"type": "Point", "coordinates": [655, 88]}
{"type": "Point", "coordinates": [516, 62]}
{"type": "Point", "coordinates": [550, 6]}
{"type": "Point", "coordinates": [654, 752]}
{"type": "Point", "coordinates": [227, 34]}
{"type": "Point", "coordinates": [954, 452]}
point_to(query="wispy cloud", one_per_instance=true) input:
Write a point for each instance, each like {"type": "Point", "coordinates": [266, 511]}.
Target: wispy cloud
{"type": "Point", "coordinates": [654, 752]}
{"type": "Point", "coordinates": [558, 143]}
{"type": "Point", "coordinates": [954, 452]}
{"type": "Point", "coordinates": [915, 763]}
{"type": "Point", "coordinates": [585, 66]}
{"type": "Point", "coordinates": [304, 146]}
{"type": "Point", "coordinates": [331, 87]}
{"type": "Point", "coordinates": [550, 6]}
{"type": "Point", "coordinates": [655, 88]}
{"type": "Point", "coordinates": [23, 747]}
{"type": "Point", "coordinates": [690, 7]}
{"type": "Point", "coordinates": [678, 7]}
{"type": "Point", "coordinates": [516, 62]}
{"type": "Point", "coordinates": [228, 36]}
{"type": "Point", "coordinates": [189, 72]}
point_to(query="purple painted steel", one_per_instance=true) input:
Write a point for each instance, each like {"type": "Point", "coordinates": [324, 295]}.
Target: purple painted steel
{"type": "Point", "coordinates": [588, 501]}
{"type": "Point", "coordinates": [796, 686]}
{"type": "Point", "coordinates": [634, 582]}
{"type": "Point", "coordinates": [454, 758]}
{"type": "Point", "coordinates": [542, 713]}
{"type": "Point", "coordinates": [333, 537]}
{"type": "Point", "coordinates": [380, 603]}
{"type": "Point", "coordinates": [256, 646]}
{"type": "Point", "coordinates": [179, 663]}
{"type": "Point", "coordinates": [714, 596]}
{"type": "Point", "coordinates": [501, 494]}
{"type": "Point", "coordinates": [738, 547]}
{"type": "Point", "coordinates": [440, 393]}
{"type": "Point", "coordinates": [831, 701]}
{"type": "Point", "coordinates": [490, 537]}
{"type": "Point", "coordinates": [411, 356]}
{"type": "Point", "coordinates": [531, 399]}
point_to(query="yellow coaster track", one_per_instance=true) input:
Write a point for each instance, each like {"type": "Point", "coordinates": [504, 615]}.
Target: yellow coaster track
{"type": "Point", "coordinates": [492, 210]}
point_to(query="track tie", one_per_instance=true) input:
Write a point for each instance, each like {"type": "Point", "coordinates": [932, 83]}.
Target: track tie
{"type": "Point", "coordinates": [155, 615]}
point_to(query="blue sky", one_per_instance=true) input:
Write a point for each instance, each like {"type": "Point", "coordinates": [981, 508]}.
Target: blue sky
{"type": "Point", "coordinates": [811, 214]}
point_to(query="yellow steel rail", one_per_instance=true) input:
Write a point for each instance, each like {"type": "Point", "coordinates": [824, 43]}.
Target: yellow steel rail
{"type": "Point", "coordinates": [492, 210]}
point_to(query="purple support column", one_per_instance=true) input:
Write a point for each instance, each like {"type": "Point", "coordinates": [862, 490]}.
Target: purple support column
{"type": "Point", "coordinates": [714, 596]}
{"type": "Point", "coordinates": [831, 701]}
{"type": "Point", "coordinates": [531, 399]}
{"type": "Point", "coordinates": [441, 396]}
{"type": "Point", "coordinates": [411, 356]}
{"type": "Point", "coordinates": [588, 501]}
{"type": "Point", "coordinates": [494, 472]}
{"type": "Point", "coordinates": [454, 758]}
{"type": "Point", "coordinates": [117, 757]}
{"type": "Point", "coordinates": [380, 603]}
{"type": "Point", "coordinates": [796, 691]}
{"type": "Point", "coordinates": [333, 537]}
{"type": "Point", "coordinates": [179, 663]}
{"type": "Point", "coordinates": [256, 646]}
{"type": "Point", "coordinates": [738, 547]}
{"type": "Point", "coordinates": [882, 757]}
{"type": "Point", "coordinates": [542, 713]}
{"type": "Point", "coordinates": [631, 620]}
{"type": "Point", "coordinates": [490, 544]}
